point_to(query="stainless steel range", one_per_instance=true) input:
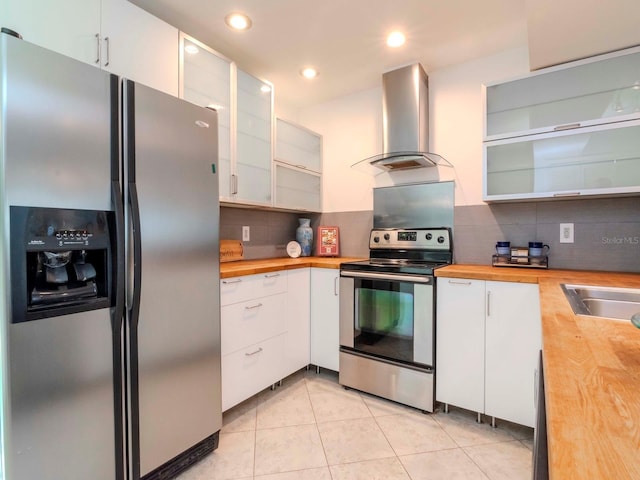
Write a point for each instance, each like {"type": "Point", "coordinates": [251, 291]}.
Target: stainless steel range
{"type": "Point", "coordinates": [387, 315]}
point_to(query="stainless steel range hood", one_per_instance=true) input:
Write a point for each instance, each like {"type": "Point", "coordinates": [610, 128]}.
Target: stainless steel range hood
{"type": "Point", "coordinates": [405, 104]}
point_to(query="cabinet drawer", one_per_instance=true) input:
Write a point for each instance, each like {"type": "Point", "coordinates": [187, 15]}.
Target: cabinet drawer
{"type": "Point", "coordinates": [241, 289]}
{"type": "Point", "coordinates": [247, 371]}
{"type": "Point", "coordinates": [252, 321]}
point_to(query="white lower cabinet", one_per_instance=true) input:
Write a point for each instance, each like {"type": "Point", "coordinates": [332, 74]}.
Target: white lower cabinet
{"type": "Point", "coordinates": [325, 312]}
{"type": "Point", "coordinates": [513, 339]}
{"type": "Point", "coordinates": [488, 338]}
{"type": "Point", "coordinates": [264, 331]}
{"type": "Point", "coordinates": [251, 369]}
{"type": "Point", "coordinates": [460, 343]}
{"type": "Point", "coordinates": [298, 311]}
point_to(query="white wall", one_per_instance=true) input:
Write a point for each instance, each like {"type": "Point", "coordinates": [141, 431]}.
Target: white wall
{"type": "Point", "coordinates": [352, 130]}
{"type": "Point", "coordinates": [351, 127]}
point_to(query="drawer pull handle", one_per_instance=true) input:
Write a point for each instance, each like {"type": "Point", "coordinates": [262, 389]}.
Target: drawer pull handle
{"type": "Point", "coordinates": [272, 275]}
{"type": "Point", "coordinates": [253, 353]}
{"type": "Point", "coordinates": [257, 305]}
{"type": "Point", "coordinates": [453, 282]}
{"type": "Point", "coordinates": [229, 282]}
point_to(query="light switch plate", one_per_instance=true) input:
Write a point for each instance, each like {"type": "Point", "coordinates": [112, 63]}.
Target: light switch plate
{"type": "Point", "coordinates": [566, 233]}
{"type": "Point", "coordinates": [246, 234]}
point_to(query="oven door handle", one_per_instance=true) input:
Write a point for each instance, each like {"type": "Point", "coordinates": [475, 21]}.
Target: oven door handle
{"type": "Point", "coordinates": [388, 276]}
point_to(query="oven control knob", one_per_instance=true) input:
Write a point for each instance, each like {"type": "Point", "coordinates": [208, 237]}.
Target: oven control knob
{"type": "Point", "coordinates": [376, 239]}
{"type": "Point", "coordinates": [440, 239]}
{"type": "Point", "coordinates": [387, 236]}
{"type": "Point", "coordinates": [429, 236]}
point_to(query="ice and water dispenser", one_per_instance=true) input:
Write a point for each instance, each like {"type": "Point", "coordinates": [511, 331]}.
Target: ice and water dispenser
{"type": "Point", "coordinates": [61, 261]}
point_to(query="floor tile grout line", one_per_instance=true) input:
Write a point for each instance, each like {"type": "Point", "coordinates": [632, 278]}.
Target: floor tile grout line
{"type": "Point", "coordinates": [476, 463]}
{"type": "Point", "coordinates": [324, 451]}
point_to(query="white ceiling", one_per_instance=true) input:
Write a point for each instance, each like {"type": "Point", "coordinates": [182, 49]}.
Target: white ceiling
{"type": "Point", "coordinates": [345, 39]}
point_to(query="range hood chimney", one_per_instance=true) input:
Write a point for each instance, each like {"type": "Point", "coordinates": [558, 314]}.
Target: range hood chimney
{"type": "Point", "coordinates": [405, 110]}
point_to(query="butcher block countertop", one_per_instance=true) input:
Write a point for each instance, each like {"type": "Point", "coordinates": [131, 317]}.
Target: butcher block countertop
{"type": "Point", "coordinates": [592, 375]}
{"type": "Point", "coordinates": [250, 267]}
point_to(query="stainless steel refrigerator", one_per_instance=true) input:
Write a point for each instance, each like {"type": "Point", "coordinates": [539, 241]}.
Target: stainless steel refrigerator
{"type": "Point", "coordinates": [110, 329]}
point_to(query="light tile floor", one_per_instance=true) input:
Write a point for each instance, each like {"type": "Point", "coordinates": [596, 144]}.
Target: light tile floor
{"type": "Point", "coordinates": [311, 428]}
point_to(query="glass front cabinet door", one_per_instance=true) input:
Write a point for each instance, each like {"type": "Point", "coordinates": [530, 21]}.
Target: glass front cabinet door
{"type": "Point", "coordinates": [567, 131]}
{"type": "Point", "coordinates": [254, 140]}
{"type": "Point", "coordinates": [602, 160]}
{"type": "Point", "coordinates": [206, 81]}
{"type": "Point", "coordinates": [298, 167]}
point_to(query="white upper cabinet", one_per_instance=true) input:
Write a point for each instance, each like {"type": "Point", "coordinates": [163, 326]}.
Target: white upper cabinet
{"type": "Point", "coordinates": [253, 141]}
{"type": "Point", "coordinates": [297, 189]}
{"type": "Point", "coordinates": [567, 131]}
{"type": "Point", "coordinates": [245, 120]}
{"type": "Point", "coordinates": [205, 79]}
{"type": "Point", "coordinates": [70, 27]}
{"type": "Point", "coordinates": [139, 46]}
{"type": "Point", "coordinates": [298, 146]}
{"type": "Point", "coordinates": [111, 34]}
{"type": "Point", "coordinates": [589, 92]}
{"type": "Point", "coordinates": [298, 167]}
{"type": "Point", "coordinates": [599, 160]}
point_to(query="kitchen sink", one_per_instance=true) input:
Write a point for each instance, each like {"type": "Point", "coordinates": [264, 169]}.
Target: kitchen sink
{"type": "Point", "coordinates": [607, 302]}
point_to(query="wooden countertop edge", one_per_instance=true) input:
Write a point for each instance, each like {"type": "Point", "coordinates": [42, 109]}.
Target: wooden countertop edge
{"type": "Point", "coordinates": [252, 267]}
{"type": "Point", "coordinates": [592, 375]}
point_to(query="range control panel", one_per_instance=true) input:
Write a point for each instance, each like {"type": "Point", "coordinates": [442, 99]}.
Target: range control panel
{"type": "Point", "coordinates": [410, 239]}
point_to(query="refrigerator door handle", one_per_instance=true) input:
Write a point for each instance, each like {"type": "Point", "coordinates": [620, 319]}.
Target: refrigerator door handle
{"type": "Point", "coordinates": [134, 208]}
{"type": "Point", "coordinates": [118, 278]}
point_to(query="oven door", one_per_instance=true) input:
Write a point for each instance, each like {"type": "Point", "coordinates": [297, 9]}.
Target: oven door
{"type": "Point", "coordinates": [389, 316]}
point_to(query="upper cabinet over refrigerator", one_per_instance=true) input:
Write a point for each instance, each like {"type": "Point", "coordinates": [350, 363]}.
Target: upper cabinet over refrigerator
{"type": "Point", "coordinates": [114, 35]}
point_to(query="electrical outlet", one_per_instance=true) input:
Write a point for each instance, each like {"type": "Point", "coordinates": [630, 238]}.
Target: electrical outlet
{"type": "Point", "coordinates": [566, 233]}
{"type": "Point", "coordinates": [246, 234]}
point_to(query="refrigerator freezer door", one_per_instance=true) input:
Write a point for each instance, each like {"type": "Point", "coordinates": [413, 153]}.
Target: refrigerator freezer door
{"type": "Point", "coordinates": [57, 137]}
{"type": "Point", "coordinates": [178, 328]}
{"type": "Point", "coordinates": [57, 118]}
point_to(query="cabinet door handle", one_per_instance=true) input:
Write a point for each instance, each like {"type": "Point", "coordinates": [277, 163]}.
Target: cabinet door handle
{"type": "Point", "coordinates": [106, 43]}
{"type": "Point", "coordinates": [98, 48]}
{"type": "Point", "coordinates": [272, 275]}
{"type": "Point", "coordinates": [234, 184]}
{"type": "Point", "coordinates": [488, 304]}
{"type": "Point", "coordinates": [569, 126]}
{"type": "Point", "coordinates": [253, 353]}
{"type": "Point", "coordinates": [257, 305]}
{"type": "Point", "coordinates": [454, 282]}
{"type": "Point", "coordinates": [229, 282]}
{"type": "Point", "coordinates": [567, 194]}
{"type": "Point", "coordinates": [335, 286]}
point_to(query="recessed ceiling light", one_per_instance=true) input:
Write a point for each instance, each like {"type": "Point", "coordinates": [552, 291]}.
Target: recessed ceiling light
{"type": "Point", "coordinates": [238, 21]}
{"type": "Point", "coordinates": [191, 48]}
{"type": "Point", "coordinates": [395, 39]}
{"type": "Point", "coordinates": [265, 88]}
{"type": "Point", "coordinates": [309, 72]}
